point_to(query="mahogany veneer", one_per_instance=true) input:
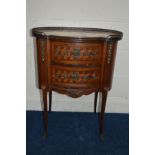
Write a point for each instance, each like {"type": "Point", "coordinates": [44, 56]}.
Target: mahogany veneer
{"type": "Point", "coordinates": [75, 62]}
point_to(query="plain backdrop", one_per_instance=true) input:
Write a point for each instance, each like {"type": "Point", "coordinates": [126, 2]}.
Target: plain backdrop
{"type": "Point", "coordinates": [108, 14]}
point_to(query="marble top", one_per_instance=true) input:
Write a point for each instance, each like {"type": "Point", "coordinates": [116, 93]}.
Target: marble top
{"type": "Point", "coordinates": [79, 34]}
{"type": "Point", "coordinates": [75, 32]}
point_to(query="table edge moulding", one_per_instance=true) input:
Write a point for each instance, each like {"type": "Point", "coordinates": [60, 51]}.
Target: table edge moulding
{"type": "Point", "coordinates": [75, 61]}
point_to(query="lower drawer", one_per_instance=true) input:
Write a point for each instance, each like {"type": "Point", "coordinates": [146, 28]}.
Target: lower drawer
{"type": "Point", "coordinates": [75, 77]}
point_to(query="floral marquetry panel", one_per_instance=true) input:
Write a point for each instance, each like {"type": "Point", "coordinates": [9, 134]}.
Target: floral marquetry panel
{"type": "Point", "coordinates": [69, 52]}
{"type": "Point", "coordinates": [66, 75]}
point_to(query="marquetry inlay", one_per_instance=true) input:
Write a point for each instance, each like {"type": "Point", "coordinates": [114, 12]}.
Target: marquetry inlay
{"type": "Point", "coordinates": [75, 76]}
{"type": "Point", "coordinates": [65, 52]}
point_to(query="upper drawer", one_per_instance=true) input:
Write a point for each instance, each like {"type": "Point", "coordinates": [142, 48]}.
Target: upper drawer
{"type": "Point", "coordinates": [76, 53]}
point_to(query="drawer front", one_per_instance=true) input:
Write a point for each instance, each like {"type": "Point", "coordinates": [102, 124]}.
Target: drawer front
{"type": "Point", "coordinates": [76, 53]}
{"type": "Point", "coordinates": [75, 77]}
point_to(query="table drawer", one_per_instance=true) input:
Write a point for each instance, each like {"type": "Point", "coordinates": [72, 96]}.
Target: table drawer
{"type": "Point", "coordinates": [76, 53]}
{"type": "Point", "coordinates": [75, 77]}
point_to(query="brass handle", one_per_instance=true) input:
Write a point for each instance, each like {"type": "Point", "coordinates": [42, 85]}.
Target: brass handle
{"type": "Point", "coordinates": [43, 50]}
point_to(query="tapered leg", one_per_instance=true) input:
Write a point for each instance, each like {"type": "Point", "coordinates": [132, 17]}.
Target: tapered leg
{"type": "Point", "coordinates": [95, 101]}
{"type": "Point", "coordinates": [50, 100]}
{"type": "Point", "coordinates": [45, 113]}
{"type": "Point", "coordinates": [101, 117]}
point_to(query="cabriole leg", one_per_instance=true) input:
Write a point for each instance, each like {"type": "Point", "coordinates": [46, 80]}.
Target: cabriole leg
{"type": "Point", "coordinates": [45, 113]}
{"type": "Point", "coordinates": [95, 101]}
{"type": "Point", "coordinates": [50, 100]}
{"type": "Point", "coordinates": [101, 117]}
